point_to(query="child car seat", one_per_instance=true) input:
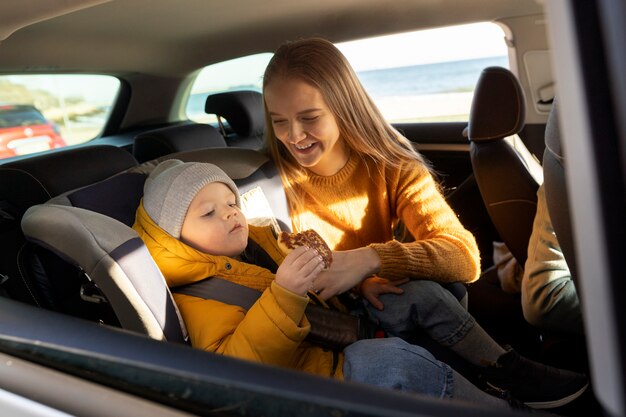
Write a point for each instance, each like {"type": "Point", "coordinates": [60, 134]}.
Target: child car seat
{"type": "Point", "coordinates": [89, 228]}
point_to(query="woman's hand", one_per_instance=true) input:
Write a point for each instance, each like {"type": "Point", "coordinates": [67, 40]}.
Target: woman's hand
{"type": "Point", "coordinates": [348, 269]}
{"type": "Point", "coordinates": [299, 269]}
{"type": "Point", "coordinates": [372, 287]}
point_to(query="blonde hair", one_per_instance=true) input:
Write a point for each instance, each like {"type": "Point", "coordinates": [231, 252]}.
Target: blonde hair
{"type": "Point", "coordinates": [320, 64]}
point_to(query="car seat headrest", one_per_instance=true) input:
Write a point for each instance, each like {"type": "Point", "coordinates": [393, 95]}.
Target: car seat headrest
{"type": "Point", "coordinates": [242, 109]}
{"type": "Point", "coordinates": [498, 107]}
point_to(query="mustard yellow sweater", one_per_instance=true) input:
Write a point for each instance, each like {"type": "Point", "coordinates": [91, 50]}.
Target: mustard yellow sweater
{"type": "Point", "coordinates": [361, 205]}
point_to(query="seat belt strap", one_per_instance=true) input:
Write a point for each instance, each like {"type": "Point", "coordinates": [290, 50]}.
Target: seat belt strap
{"type": "Point", "coordinates": [218, 289]}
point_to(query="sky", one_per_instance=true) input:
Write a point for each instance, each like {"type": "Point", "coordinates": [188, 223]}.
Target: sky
{"type": "Point", "coordinates": [456, 43]}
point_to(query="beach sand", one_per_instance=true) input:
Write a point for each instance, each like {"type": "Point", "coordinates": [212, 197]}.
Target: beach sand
{"type": "Point", "coordinates": [431, 107]}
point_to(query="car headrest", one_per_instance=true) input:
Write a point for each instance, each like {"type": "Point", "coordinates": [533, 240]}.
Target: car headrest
{"type": "Point", "coordinates": [35, 180]}
{"type": "Point", "coordinates": [242, 109]}
{"type": "Point", "coordinates": [498, 107]}
{"type": "Point", "coordinates": [155, 143]}
{"type": "Point", "coordinates": [114, 257]}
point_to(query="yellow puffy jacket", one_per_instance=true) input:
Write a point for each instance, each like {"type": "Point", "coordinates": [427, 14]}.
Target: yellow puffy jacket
{"type": "Point", "coordinates": [271, 332]}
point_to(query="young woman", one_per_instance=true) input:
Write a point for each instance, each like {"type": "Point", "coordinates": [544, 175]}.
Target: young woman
{"type": "Point", "coordinates": [349, 175]}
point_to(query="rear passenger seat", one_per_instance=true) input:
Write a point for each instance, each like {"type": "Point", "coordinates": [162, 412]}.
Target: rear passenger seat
{"type": "Point", "coordinates": [90, 228]}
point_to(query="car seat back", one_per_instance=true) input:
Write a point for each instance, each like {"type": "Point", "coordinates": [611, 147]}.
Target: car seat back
{"type": "Point", "coordinates": [507, 174]}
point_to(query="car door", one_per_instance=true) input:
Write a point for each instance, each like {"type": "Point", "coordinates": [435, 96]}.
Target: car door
{"type": "Point", "coordinates": [588, 39]}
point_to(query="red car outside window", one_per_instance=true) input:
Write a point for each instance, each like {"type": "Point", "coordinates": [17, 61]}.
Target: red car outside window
{"type": "Point", "coordinates": [24, 130]}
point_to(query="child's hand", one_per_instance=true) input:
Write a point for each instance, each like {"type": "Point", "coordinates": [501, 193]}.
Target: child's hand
{"type": "Point", "coordinates": [299, 269]}
{"type": "Point", "coordinates": [372, 287]}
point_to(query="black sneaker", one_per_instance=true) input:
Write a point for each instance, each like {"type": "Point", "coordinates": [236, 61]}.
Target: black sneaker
{"type": "Point", "coordinates": [533, 383]}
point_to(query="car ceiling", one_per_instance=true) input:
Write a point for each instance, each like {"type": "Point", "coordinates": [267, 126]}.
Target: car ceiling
{"type": "Point", "coordinates": [165, 37]}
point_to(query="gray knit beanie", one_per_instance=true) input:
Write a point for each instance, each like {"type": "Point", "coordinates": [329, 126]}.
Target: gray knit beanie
{"type": "Point", "coordinates": [172, 185]}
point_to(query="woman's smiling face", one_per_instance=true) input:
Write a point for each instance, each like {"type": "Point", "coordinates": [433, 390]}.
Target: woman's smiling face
{"type": "Point", "coordinates": [302, 121]}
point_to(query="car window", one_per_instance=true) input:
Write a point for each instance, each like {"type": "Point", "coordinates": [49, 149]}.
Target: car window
{"type": "Point", "coordinates": [421, 76]}
{"type": "Point", "coordinates": [47, 111]}
{"type": "Point", "coordinates": [427, 75]}
{"type": "Point", "coordinates": [245, 73]}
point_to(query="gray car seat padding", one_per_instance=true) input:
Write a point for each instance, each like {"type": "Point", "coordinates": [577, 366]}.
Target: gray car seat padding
{"type": "Point", "coordinates": [115, 258]}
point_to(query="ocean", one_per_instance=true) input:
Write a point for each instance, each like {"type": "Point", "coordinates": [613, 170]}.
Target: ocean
{"type": "Point", "coordinates": [443, 77]}
{"type": "Point", "coordinates": [402, 82]}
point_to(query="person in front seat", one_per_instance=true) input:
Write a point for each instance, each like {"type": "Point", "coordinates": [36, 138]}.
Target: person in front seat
{"type": "Point", "coordinates": [549, 297]}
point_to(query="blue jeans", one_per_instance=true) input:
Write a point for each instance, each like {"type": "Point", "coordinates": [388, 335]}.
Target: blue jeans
{"type": "Point", "coordinates": [424, 306]}
{"type": "Point", "coordinates": [394, 363]}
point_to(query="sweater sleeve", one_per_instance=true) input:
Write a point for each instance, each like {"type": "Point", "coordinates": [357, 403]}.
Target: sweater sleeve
{"type": "Point", "coordinates": [443, 250]}
{"type": "Point", "coordinates": [265, 333]}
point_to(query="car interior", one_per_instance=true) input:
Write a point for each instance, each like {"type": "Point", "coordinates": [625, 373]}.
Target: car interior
{"type": "Point", "coordinates": [81, 297]}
